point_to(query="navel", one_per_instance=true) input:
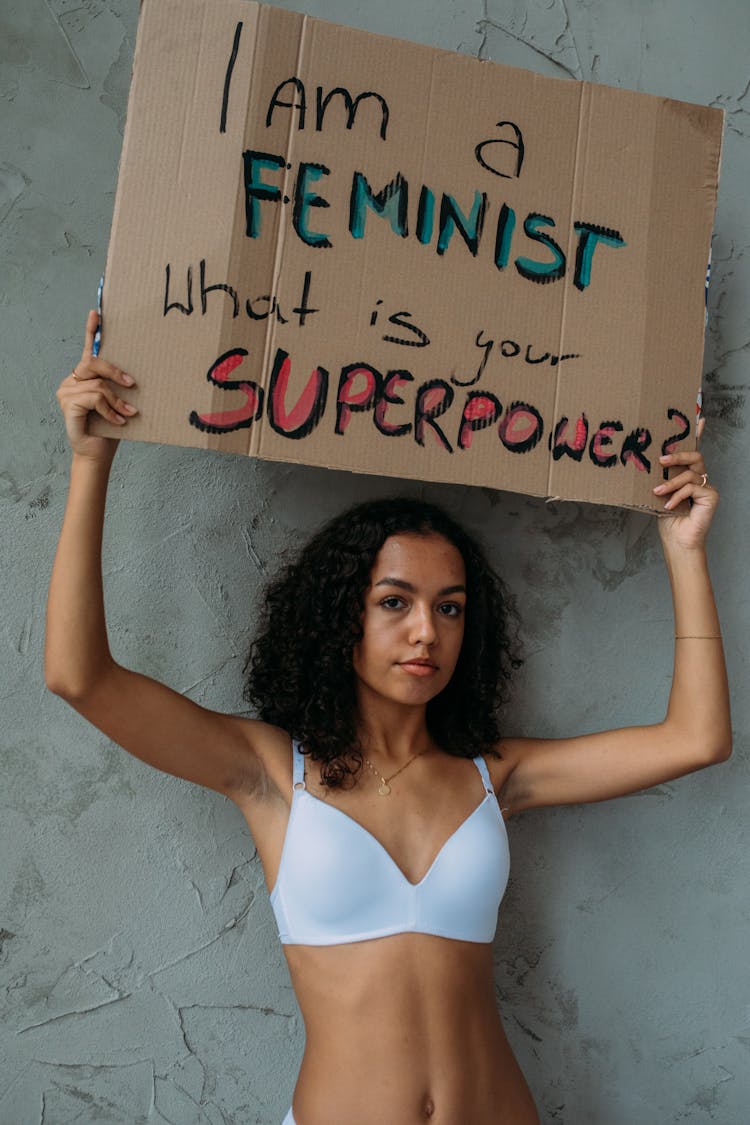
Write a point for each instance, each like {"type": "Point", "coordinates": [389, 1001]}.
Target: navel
{"type": "Point", "coordinates": [429, 1107]}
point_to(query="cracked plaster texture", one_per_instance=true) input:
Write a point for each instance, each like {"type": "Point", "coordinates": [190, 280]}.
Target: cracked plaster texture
{"type": "Point", "coordinates": [140, 976]}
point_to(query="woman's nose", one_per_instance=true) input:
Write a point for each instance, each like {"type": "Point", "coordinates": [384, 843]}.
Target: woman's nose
{"type": "Point", "coordinates": [422, 626]}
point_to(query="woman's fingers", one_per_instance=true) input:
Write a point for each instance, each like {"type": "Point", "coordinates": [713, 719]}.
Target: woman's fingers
{"type": "Point", "coordinates": [699, 493]}
{"type": "Point", "coordinates": [693, 467]}
{"type": "Point", "coordinates": [81, 396]}
{"type": "Point", "coordinates": [92, 323]}
{"type": "Point", "coordinates": [91, 367]}
{"type": "Point", "coordinates": [688, 457]}
{"type": "Point", "coordinates": [686, 485]}
{"type": "Point", "coordinates": [690, 476]}
{"type": "Point", "coordinates": [106, 403]}
{"type": "Point", "coordinates": [690, 484]}
{"type": "Point", "coordinates": [89, 387]}
{"type": "Point", "coordinates": [92, 388]}
{"type": "Point", "coordinates": [100, 405]}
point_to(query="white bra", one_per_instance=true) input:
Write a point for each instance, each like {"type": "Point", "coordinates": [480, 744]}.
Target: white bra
{"type": "Point", "coordinates": [338, 884]}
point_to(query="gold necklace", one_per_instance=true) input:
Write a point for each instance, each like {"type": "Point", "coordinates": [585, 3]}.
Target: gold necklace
{"type": "Point", "coordinates": [384, 788]}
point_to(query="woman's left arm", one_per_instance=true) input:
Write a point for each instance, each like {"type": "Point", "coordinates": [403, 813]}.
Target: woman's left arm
{"type": "Point", "coordinates": [696, 731]}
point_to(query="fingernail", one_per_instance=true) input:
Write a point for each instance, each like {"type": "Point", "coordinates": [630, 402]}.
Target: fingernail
{"type": "Point", "coordinates": [659, 488]}
{"type": "Point", "coordinates": [128, 379]}
{"type": "Point", "coordinates": [668, 504]}
{"type": "Point", "coordinates": [665, 457]}
{"type": "Point", "coordinates": [130, 409]}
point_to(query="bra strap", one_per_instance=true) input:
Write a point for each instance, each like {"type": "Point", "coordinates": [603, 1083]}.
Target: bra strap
{"type": "Point", "coordinates": [298, 767]}
{"type": "Point", "coordinates": [481, 765]}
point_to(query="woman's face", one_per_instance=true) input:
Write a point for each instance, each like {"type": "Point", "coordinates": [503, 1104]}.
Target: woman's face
{"type": "Point", "coordinates": [413, 619]}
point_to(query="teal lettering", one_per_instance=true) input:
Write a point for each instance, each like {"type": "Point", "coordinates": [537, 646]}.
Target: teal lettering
{"type": "Point", "coordinates": [506, 224]}
{"type": "Point", "coordinates": [589, 237]}
{"type": "Point", "coordinates": [391, 203]}
{"type": "Point", "coordinates": [468, 226]}
{"type": "Point", "coordinates": [255, 190]}
{"type": "Point", "coordinates": [304, 199]}
{"type": "Point", "coordinates": [541, 272]}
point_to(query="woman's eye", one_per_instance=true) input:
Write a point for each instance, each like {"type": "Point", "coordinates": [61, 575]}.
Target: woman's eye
{"type": "Point", "coordinates": [392, 603]}
{"type": "Point", "coordinates": [451, 609]}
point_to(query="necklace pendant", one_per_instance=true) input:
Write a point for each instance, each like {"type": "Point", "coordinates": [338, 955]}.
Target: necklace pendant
{"type": "Point", "coordinates": [384, 789]}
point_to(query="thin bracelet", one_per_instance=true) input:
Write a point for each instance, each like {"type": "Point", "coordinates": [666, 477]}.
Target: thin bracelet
{"type": "Point", "coordinates": [698, 637]}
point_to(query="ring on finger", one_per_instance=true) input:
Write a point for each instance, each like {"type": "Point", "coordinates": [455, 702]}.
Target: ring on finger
{"type": "Point", "coordinates": [76, 376]}
{"type": "Point", "coordinates": [704, 480]}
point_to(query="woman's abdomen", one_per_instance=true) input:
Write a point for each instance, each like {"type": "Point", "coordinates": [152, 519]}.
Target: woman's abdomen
{"type": "Point", "coordinates": [404, 1030]}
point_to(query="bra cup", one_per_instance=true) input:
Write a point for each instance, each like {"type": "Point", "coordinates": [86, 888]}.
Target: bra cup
{"type": "Point", "coordinates": [462, 892]}
{"type": "Point", "coordinates": [336, 884]}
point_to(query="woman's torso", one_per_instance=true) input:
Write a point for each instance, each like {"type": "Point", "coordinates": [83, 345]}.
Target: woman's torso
{"type": "Point", "coordinates": [402, 1028]}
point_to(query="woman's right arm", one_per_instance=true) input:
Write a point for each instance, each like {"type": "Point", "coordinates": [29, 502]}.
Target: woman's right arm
{"type": "Point", "coordinates": [145, 717]}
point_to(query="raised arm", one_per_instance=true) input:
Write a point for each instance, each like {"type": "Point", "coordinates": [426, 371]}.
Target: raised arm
{"type": "Point", "coordinates": [696, 731]}
{"type": "Point", "coordinates": [145, 717]}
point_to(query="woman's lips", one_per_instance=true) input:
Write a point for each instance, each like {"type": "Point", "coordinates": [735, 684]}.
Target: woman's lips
{"type": "Point", "coordinates": [415, 668]}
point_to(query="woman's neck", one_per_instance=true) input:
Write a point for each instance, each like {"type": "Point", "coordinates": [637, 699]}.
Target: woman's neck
{"type": "Point", "coordinates": [392, 731]}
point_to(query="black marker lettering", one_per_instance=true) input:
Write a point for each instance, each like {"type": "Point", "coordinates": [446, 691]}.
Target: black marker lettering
{"type": "Point", "coordinates": [433, 399]}
{"type": "Point", "coordinates": [516, 144]}
{"type": "Point", "coordinates": [521, 428]}
{"type": "Point", "coordinates": [218, 287]}
{"type": "Point", "coordinates": [669, 444]}
{"type": "Point", "coordinates": [397, 318]}
{"type": "Point", "coordinates": [301, 104]}
{"type": "Point", "coordinates": [304, 416]}
{"type": "Point", "coordinates": [481, 409]}
{"type": "Point", "coordinates": [560, 445]}
{"type": "Point", "coordinates": [351, 106]}
{"type": "Point", "coordinates": [169, 305]}
{"type": "Point", "coordinates": [352, 399]}
{"type": "Point", "coordinates": [388, 397]}
{"type": "Point", "coordinates": [226, 421]}
{"type": "Point", "coordinates": [303, 310]}
{"type": "Point", "coordinates": [601, 439]}
{"type": "Point", "coordinates": [633, 448]}
{"type": "Point", "coordinates": [228, 77]}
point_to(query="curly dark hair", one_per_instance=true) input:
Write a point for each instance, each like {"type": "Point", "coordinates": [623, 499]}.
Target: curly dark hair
{"type": "Point", "coordinates": [299, 673]}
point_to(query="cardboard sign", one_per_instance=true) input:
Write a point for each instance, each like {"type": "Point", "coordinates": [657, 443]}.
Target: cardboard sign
{"type": "Point", "coordinates": [345, 250]}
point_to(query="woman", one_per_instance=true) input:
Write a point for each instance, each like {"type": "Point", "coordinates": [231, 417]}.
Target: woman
{"type": "Point", "coordinates": [384, 846]}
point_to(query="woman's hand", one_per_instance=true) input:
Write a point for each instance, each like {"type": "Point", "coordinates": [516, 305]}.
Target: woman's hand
{"type": "Point", "coordinates": [89, 388]}
{"type": "Point", "coordinates": [689, 530]}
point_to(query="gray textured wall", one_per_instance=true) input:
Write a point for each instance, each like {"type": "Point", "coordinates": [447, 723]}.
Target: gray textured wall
{"type": "Point", "coordinates": [140, 977]}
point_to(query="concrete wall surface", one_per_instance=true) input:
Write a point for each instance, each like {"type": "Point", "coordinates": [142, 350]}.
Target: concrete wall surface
{"type": "Point", "coordinates": [141, 978]}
